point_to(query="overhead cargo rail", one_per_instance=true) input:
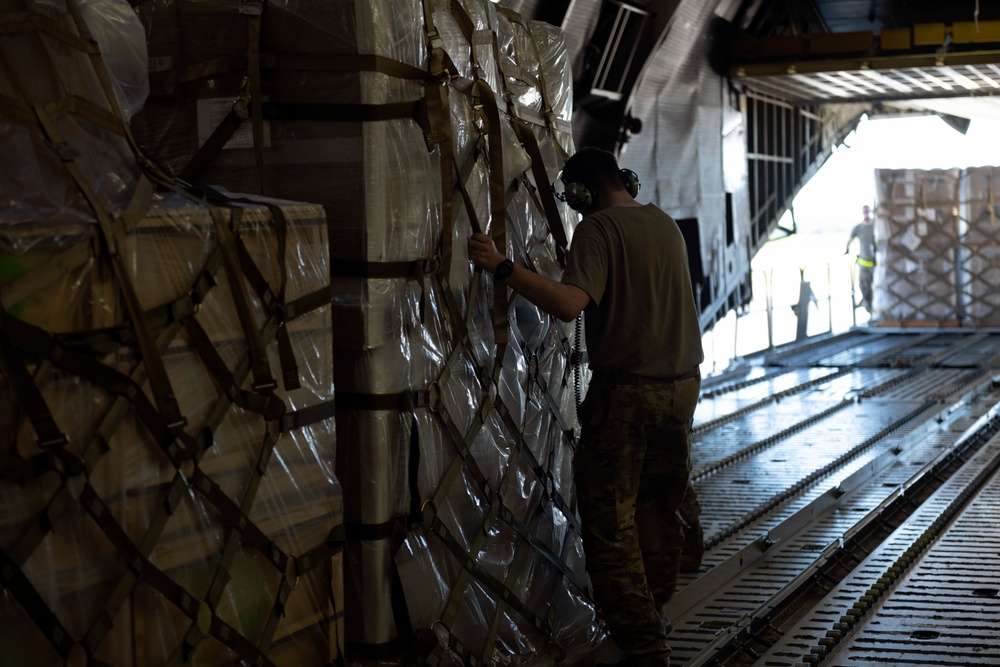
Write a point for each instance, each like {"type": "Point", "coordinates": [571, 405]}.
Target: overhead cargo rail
{"type": "Point", "coordinates": [916, 62]}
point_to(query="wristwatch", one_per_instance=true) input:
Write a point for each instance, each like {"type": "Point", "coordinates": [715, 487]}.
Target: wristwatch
{"type": "Point", "coordinates": [503, 270]}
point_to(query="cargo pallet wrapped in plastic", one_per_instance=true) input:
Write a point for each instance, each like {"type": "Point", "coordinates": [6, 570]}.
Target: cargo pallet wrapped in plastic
{"type": "Point", "coordinates": [414, 123]}
{"type": "Point", "coordinates": [980, 253]}
{"type": "Point", "coordinates": [916, 231]}
{"type": "Point", "coordinates": [167, 483]}
{"type": "Point", "coordinates": [937, 237]}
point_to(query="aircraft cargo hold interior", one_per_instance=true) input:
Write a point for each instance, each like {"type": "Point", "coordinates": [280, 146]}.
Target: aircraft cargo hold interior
{"type": "Point", "coordinates": [266, 399]}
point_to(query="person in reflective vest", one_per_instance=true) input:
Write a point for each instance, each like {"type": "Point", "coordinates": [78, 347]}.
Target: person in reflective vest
{"type": "Point", "coordinates": [864, 232]}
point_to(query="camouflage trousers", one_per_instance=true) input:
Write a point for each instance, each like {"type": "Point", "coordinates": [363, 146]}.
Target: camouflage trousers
{"type": "Point", "coordinates": [865, 276]}
{"type": "Point", "coordinates": [631, 472]}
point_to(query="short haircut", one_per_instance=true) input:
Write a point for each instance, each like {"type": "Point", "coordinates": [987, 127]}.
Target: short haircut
{"type": "Point", "coordinates": [594, 167]}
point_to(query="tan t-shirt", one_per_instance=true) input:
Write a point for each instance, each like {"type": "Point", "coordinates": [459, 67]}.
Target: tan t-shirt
{"type": "Point", "coordinates": [632, 261]}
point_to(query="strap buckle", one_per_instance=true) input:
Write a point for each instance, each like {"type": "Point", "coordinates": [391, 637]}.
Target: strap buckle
{"type": "Point", "coordinates": [430, 266]}
{"type": "Point", "coordinates": [429, 398]}
{"type": "Point", "coordinates": [435, 40]}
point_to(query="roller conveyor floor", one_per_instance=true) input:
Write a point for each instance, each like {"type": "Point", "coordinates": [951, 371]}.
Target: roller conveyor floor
{"type": "Point", "coordinates": [806, 462]}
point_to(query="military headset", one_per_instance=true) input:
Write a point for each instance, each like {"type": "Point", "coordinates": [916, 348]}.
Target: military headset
{"type": "Point", "coordinates": [581, 196]}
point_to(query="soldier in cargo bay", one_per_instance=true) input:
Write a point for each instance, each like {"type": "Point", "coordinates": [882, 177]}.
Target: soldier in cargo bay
{"type": "Point", "coordinates": [627, 271]}
{"type": "Point", "coordinates": [864, 232]}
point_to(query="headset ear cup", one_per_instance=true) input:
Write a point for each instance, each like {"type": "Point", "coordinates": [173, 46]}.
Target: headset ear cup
{"type": "Point", "coordinates": [631, 180]}
{"type": "Point", "coordinates": [579, 196]}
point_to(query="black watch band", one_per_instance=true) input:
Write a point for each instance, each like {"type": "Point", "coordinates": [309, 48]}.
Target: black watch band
{"type": "Point", "coordinates": [503, 270]}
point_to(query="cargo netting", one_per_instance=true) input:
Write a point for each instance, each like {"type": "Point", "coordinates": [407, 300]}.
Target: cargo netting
{"type": "Point", "coordinates": [444, 494]}
{"type": "Point", "coordinates": [937, 247]}
{"type": "Point", "coordinates": [167, 472]}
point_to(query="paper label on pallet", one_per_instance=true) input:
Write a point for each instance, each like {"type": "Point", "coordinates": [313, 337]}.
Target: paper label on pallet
{"type": "Point", "coordinates": [160, 64]}
{"type": "Point", "coordinates": [213, 110]}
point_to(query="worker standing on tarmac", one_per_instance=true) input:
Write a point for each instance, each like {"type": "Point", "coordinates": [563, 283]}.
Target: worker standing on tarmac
{"type": "Point", "coordinates": [864, 232]}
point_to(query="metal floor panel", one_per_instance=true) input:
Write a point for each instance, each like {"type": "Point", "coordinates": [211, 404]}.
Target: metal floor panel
{"type": "Point", "coordinates": [948, 597]}
{"type": "Point", "coordinates": [869, 347]}
{"type": "Point", "coordinates": [947, 609]}
{"type": "Point", "coordinates": [862, 349]}
{"type": "Point", "coordinates": [729, 399]}
{"type": "Point", "coordinates": [754, 586]}
{"type": "Point", "coordinates": [772, 451]}
{"type": "Point", "coordinates": [816, 353]}
{"type": "Point", "coordinates": [982, 352]}
{"type": "Point", "coordinates": [932, 383]}
{"type": "Point", "coordinates": [729, 493]}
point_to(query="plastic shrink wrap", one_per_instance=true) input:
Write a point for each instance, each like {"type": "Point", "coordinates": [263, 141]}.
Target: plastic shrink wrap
{"type": "Point", "coordinates": [937, 247]}
{"type": "Point", "coordinates": [980, 253]}
{"type": "Point", "coordinates": [167, 485]}
{"type": "Point", "coordinates": [413, 123]}
{"type": "Point", "coordinates": [917, 234]}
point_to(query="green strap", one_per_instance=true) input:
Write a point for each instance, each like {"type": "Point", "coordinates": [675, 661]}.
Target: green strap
{"type": "Point", "coordinates": [234, 516]}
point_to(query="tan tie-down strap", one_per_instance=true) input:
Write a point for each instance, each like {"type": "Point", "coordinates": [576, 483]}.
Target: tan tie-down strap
{"type": "Point", "coordinates": [170, 321]}
{"type": "Point", "coordinates": [492, 107]}
{"type": "Point", "coordinates": [160, 383]}
{"type": "Point", "coordinates": [149, 333]}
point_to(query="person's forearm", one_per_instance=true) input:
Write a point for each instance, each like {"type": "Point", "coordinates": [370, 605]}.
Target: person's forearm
{"type": "Point", "coordinates": [555, 298]}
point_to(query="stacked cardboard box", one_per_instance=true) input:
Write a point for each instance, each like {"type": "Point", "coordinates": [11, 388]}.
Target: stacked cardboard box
{"type": "Point", "coordinates": [981, 246]}
{"type": "Point", "coordinates": [917, 236]}
{"type": "Point", "coordinates": [938, 240]}
{"type": "Point", "coordinates": [414, 123]}
{"type": "Point", "coordinates": [167, 489]}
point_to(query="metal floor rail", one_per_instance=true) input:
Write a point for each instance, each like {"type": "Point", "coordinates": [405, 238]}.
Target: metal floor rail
{"type": "Point", "coordinates": [797, 449]}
